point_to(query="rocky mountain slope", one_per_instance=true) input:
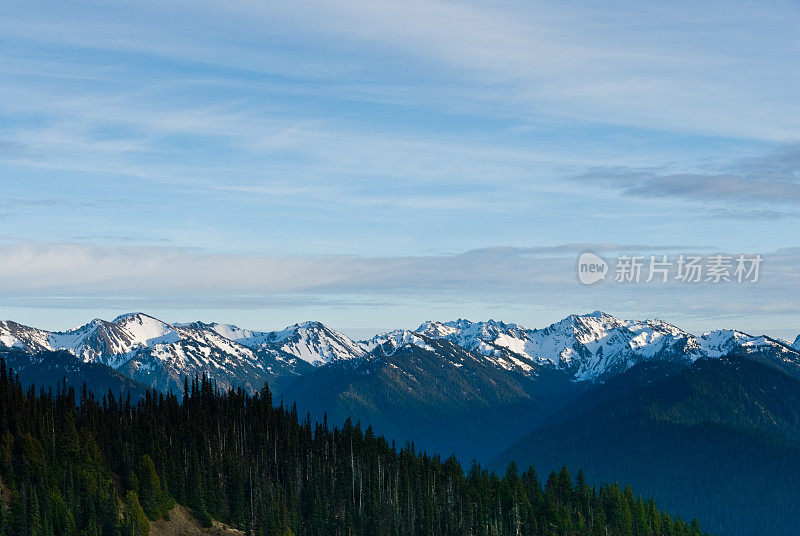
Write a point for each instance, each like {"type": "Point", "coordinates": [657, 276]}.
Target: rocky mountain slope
{"type": "Point", "coordinates": [587, 348]}
{"type": "Point", "coordinates": [595, 346]}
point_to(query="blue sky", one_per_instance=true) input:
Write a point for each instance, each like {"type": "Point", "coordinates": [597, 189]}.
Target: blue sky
{"type": "Point", "coordinates": [146, 148]}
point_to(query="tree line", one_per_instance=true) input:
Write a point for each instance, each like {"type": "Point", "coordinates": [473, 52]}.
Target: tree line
{"type": "Point", "coordinates": [71, 464]}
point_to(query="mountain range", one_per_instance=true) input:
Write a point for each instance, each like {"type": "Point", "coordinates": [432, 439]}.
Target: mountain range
{"type": "Point", "coordinates": [427, 384]}
{"type": "Point", "coordinates": [590, 347]}
{"type": "Point", "coordinates": [622, 399]}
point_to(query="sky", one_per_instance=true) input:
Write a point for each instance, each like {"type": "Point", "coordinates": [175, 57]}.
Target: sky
{"type": "Point", "coordinates": [375, 165]}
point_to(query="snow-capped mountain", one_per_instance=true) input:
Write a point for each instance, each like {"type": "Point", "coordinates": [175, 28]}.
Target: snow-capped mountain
{"type": "Point", "coordinates": [111, 343]}
{"type": "Point", "coordinates": [316, 343]}
{"type": "Point", "coordinates": [761, 348]}
{"type": "Point", "coordinates": [157, 353]}
{"type": "Point", "coordinates": [389, 342]}
{"type": "Point", "coordinates": [778, 353]}
{"type": "Point", "coordinates": [313, 342]}
{"type": "Point", "coordinates": [796, 344]}
{"type": "Point", "coordinates": [591, 347]}
{"type": "Point", "coordinates": [15, 335]}
{"type": "Point", "coordinates": [488, 339]}
{"type": "Point", "coordinates": [721, 342]}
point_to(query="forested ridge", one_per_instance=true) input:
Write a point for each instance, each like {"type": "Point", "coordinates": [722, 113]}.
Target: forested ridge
{"type": "Point", "coordinates": [74, 465]}
{"type": "Point", "coordinates": [719, 440]}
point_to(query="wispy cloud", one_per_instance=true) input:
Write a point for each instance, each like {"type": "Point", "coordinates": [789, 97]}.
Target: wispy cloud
{"type": "Point", "coordinates": [75, 275]}
{"type": "Point", "coordinates": [763, 187]}
{"type": "Point", "coordinates": [385, 130]}
{"type": "Point", "coordinates": [644, 65]}
{"type": "Point", "coordinates": [606, 248]}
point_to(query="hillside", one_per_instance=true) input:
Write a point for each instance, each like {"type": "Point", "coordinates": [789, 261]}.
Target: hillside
{"type": "Point", "coordinates": [51, 369]}
{"type": "Point", "coordinates": [181, 522]}
{"type": "Point", "coordinates": [719, 440]}
{"type": "Point", "coordinates": [237, 459]}
{"type": "Point", "coordinates": [435, 393]}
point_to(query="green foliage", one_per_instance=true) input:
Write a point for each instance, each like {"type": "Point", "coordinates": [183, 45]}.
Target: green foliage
{"type": "Point", "coordinates": [152, 498]}
{"type": "Point", "coordinates": [236, 458]}
{"type": "Point", "coordinates": [134, 520]}
{"type": "Point", "coordinates": [203, 517]}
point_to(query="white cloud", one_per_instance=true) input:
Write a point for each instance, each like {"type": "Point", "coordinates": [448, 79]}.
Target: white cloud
{"type": "Point", "coordinates": [73, 276]}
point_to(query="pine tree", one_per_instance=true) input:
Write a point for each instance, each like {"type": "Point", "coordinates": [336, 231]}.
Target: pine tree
{"type": "Point", "coordinates": [150, 493]}
{"type": "Point", "coordinates": [134, 520]}
{"type": "Point", "coordinates": [236, 458]}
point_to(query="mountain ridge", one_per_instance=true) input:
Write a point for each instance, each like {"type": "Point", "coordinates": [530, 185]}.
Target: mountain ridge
{"type": "Point", "coordinates": [462, 387]}
{"type": "Point", "coordinates": [696, 437]}
{"type": "Point", "coordinates": [590, 347]}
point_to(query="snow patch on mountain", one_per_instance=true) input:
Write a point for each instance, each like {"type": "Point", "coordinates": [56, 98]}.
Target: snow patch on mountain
{"type": "Point", "coordinates": [317, 344]}
{"type": "Point", "coordinates": [313, 342]}
{"type": "Point", "coordinates": [158, 353]}
{"type": "Point", "coordinates": [15, 335]}
{"type": "Point", "coordinates": [113, 343]}
{"type": "Point", "coordinates": [588, 346]}
{"type": "Point", "coordinates": [389, 342]}
{"type": "Point", "coordinates": [245, 337]}
{"type": "Point", "coordinates": [721, 342]}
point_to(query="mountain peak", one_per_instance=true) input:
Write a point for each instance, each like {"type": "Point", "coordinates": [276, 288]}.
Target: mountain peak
{"type": "Point", "coordinates": [126, 316]}
{"type": "Point", "coordinates": [391, 341]}
{"type": "Point", "coordinates": [310, 324]}
{"type": "Point", "coordinates": [591, 346]}
{"type": "Point", "coordinates": [435, 328]}
{"type": "Point", "coordinates": [136, 318]}
{"type": "Point", "coordinates": [587, 346]}
{"type": "Point", "coordinates": [314, 342]}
